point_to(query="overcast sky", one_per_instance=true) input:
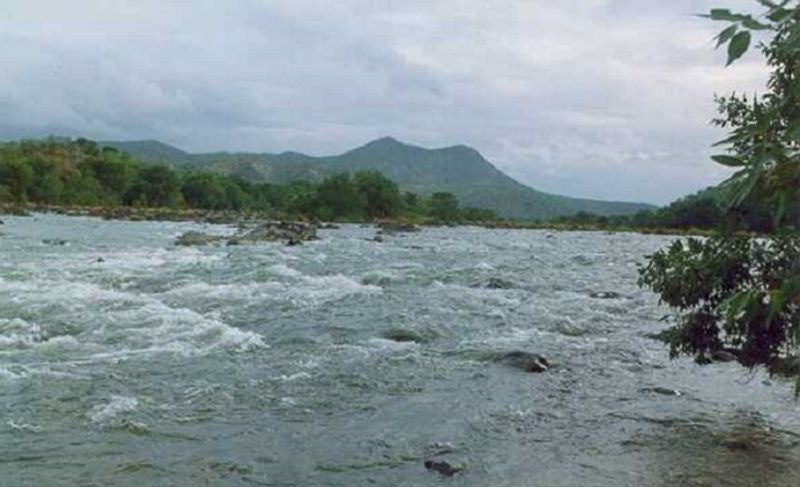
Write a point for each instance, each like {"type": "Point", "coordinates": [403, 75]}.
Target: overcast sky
{"type": "Point", "coordinates": [596, 98]}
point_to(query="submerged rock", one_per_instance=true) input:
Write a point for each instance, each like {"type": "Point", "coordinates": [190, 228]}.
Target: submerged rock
{"type": "Point", "coordinates": [197, 238]}
{"type": "Point", "coordinates": [786, 366]}
{"type": "Point", "coordinates": [377, 238]}
{"type": "Point", "coordinates": [529, 362]}
{"type": "Point", "coordinates": [404, 335]}
{"type": "Point", "coordinates": [494, 283]}
{"type": "Point", "coordinates": [605, 295]}
{"type": "Point", "coordinates": [443, 468]}
{"type": "Point", "coordinates": [664, 391]}
{"type": "Point", "coordinates": [54, 241]}
{"type": "Point", "coordinates": [293, 243]}
{"type": "Point", "coordinates": [398, 227]}
{"type": "Point", "coordinates": [724, 356]}
{"type": "Point", "coordinates": [329, 226]}
{"type": "Point", "coordinates": [277, 231]}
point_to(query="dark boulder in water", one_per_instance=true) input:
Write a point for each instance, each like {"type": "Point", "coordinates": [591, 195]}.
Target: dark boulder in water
{"type": "Point", "coordinates": [293, 243]}
{"type": "Point", "coordinates": [443, 468]}
{"type": "Point", "coordinates": [724, 356]}
{"type": "Point", "coordinates": [664, 391]}
{"type": "Point", "coordinates": [377, 238]}
{"type": "Point", "coordinates": [197, 238]}
{"type": "Point", "coordinates": [494, 283]}
{"type": "Point", "coordinates": [529, 362]}
{"type": "Point", "coordinates": [605, 295]}
{"type": "Point", "coordinates": [398, 227]}
{"type": "Point", "coordinates": [54, 241]}
{"type": "Point", "coordinates": [403, 335]}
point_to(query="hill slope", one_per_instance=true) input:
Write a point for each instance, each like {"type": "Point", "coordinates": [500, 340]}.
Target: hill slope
{"type": "Point", "coordinates": [459, 169]}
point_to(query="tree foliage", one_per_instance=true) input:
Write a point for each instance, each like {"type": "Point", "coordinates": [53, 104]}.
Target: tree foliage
{"type": "Point", "coordinates": [58, 171]}
{"type": "Point", "coordinates": [731, 291]}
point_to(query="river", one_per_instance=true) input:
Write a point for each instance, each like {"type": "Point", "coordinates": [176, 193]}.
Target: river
{"type": "Point", "coordinates": [126, 360]}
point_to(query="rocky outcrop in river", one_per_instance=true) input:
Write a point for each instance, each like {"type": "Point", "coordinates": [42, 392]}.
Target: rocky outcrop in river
{"type": "Point", "coordinates": [293, 233]}
{"type": "Point", "coordinates": [278, 231]}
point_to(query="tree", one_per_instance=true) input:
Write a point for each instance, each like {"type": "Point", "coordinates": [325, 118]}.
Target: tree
{"type": "Point", "coordinates": [155, 186]}
{"type": "Point", "coordinates": [337, 197]}
{"type": "Point", "coordinates": [203, 190]}
{"type": "Point", "coordinates": [730, 291]}
{"type": "Point", "coordinates": [16, 177]}
{"type": "Point", "coordinates": [381, 194]}
{"type": "Point", "coordinates": [444, 206]}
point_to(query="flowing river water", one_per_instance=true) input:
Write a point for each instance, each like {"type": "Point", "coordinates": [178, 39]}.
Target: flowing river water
{"type": "Point", "coordinates": [125, 360]}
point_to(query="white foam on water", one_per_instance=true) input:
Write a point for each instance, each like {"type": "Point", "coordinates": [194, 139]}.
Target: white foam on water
{"type": "Point", "coordinates": [151, 258]}
{"type": "Point", "coordinates": [284, 271]}
{"type": "Point", "coordinates": [68, 293]}
{"type": "Point", "coordinates": [380, 277]}
{"type": "Point", "coordinates": [384, 345]}
{"type": "Point", "coordinates": [20, 425]}
{"type": "Point", "coordinates": [231, 291]}
{"type": "Point", "coordinates": [319, 289]}
{"type": "Point", "coordinates": [102, 413]}
{"type": "Point", "coordinates": [7, 373]}
{"type": "Point", "coordinates": [159, 328]}
{"type": "Point", "coordinates": [18, 333]}
{"type": "Point", "coordinates": [294, 377]}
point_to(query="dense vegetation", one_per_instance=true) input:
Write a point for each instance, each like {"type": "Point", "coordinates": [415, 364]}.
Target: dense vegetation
{"type": "Point", "coordinates": [707, 210]}
{"type": "Point", "coordinates": [729, 291]}
{"type": "Point", "coordinates": [82, 173]}
{"type": "Point", "coordinates": [459, 170]}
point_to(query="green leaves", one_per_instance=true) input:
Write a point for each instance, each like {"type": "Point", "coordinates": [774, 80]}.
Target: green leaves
{"type": "Point", "coordinates": [726, 15]}
{"type": "Point", "coordinates": [726, 34]}
{"type": "Point", "coordinates": [730, 161]}
{"type": "Point", "coordinates": [732, 290]}
{"type": "Point", "coordinates": [738, 46]}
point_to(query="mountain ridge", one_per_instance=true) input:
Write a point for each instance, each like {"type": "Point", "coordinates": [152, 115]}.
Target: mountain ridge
{"type": "Point", "coordinates": [458, 169]}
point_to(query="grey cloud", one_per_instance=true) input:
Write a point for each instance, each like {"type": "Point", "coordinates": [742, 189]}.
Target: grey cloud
{"type": "Point", "coordinates": [598, 98]}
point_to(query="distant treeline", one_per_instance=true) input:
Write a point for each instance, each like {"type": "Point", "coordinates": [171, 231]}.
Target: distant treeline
{"type": "Point", "coordinates": [704, 210]}
{"type": "Point", "coordinates": [66, 172]}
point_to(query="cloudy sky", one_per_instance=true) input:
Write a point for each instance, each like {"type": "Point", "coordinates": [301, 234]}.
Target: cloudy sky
{"type": "Point", "coordinates": [597, 98]}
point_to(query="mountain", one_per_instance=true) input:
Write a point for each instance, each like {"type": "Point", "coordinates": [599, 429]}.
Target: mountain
{"type": "Point", "coordinates": [459, 169]}
{"type": "Point", "coordinates": [151, 151]}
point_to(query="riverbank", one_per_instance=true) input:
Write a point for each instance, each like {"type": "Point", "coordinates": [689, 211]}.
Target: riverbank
{"type": "Point", "coordinates": [127, 213]}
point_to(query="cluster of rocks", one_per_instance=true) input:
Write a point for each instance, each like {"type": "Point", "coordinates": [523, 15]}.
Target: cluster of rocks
{"type": "Point", "coordinates": [393, 227]}
{"type": "Point", "coordinates": [292, 233]}
{"type": "Point", "coordinates": [397, 226]}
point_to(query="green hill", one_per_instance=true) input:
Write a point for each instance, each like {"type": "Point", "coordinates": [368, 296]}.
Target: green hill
{"type": "Point", "coordinates": [460, 170]}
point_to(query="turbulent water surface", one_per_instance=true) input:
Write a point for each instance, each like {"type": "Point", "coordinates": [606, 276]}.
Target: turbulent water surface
{"type": "Point", "coordinates": [125, 360]}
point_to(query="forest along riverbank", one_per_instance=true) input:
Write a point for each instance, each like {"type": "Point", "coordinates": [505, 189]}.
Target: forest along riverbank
{"type": "Point", "coordinates": [125, 358]}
